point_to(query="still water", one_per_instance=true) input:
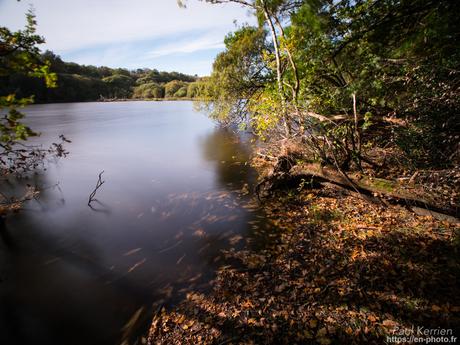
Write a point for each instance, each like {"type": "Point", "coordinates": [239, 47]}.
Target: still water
{"type": "Point", "coordinates": [174, 196]}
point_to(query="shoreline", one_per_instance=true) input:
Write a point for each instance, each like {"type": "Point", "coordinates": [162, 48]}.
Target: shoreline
{"type": "Point", "coordinates": [184, 99]}
{"type": "Point", "coordinates": [336, 270]}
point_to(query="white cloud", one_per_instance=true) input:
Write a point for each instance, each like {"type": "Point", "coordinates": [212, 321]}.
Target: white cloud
{"type": "Point", "coordinates": [130, 33]}
{"type": "Point", "coordinates": [69, 25]}
{"type": "Point", "coordinates": [189, 45]}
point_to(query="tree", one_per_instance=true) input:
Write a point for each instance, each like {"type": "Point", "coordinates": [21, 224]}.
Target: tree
{"type": "Point", "coordinates": [20, 55]}
{"type": "Point", "coordinates": [240, 74]}
{"type": "Point", "coordinates": [334, 71]}
{"type": "Point", "coordinates": [182, 92]}
{"type": "Point", "coordinates": [85, 83]}
{"type": "Point", "coordinates": [270, 14]}
{"type": "Point", "coordinates": [119, 85]}
{"type": "Point", "coordinates": [149, 90]}
{"type": "Point", "coordinates": [379, 58]}
{"type": "Point", "coordinates": [198, 89]}
{"type": "Point", "coordinates": [173, 87]}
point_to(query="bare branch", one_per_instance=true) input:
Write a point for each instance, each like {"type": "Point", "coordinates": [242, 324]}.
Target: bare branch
{"type": "Point", "coordinates": [99, 183]}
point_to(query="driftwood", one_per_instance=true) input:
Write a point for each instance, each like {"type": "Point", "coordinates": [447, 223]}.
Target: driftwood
{"type": "Point", "coordinates": [287, 173]}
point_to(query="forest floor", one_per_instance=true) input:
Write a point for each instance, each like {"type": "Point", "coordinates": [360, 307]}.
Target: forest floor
{"type": "Point", "coordinates": [336, 269]}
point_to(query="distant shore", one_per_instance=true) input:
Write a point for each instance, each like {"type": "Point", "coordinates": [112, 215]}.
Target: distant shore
{"type": "Point", "coordinates": [151, 99]}
{"type": "Point", "coordinates": [127, 100]}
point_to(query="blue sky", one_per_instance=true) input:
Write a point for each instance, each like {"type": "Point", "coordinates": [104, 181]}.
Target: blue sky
{"type": "Point", "coordinates": [131, 33]}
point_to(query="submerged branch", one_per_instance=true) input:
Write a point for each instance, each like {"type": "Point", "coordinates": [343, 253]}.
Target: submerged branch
{"type": "Point", "coordinates": [99, 183]}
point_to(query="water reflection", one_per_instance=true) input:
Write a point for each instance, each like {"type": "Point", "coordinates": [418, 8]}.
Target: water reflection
{"type": "Point", "coordinates": [230, 156]}
{"type": "Point", "coordinates": [172, 200]}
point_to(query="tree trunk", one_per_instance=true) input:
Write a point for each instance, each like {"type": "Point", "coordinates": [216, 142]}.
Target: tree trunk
{"type": "Point", "coordinates": [287, 127]}
{"type": "Point", "coordinates": [296, 87]}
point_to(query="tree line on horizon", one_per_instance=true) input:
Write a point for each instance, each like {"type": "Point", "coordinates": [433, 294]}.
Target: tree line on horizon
{"type": "Point", "coordinates": [75, 82]}
{"type": "Point", "coordinates": [28, 75]}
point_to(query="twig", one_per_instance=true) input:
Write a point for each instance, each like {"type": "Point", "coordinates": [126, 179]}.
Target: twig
{"type": "Point", "coordinates": [99, 183]}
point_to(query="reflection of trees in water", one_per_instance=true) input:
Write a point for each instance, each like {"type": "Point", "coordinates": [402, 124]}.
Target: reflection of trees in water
{"type": "Point", "coordinates": [223, 145]}
{"type": "Point", "coordinates": [229, 153]}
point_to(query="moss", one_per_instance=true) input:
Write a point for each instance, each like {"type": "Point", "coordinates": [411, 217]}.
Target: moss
{"type": "Point", "coordinates": [381, 184]}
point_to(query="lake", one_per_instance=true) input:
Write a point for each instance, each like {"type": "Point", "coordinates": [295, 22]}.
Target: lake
{"type": "Point", "coordinates": [175, 194]}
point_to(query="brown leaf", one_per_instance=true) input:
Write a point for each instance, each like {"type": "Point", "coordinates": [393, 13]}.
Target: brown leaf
{"type": "Point", "coordinates": [389, 323]}
{"type": "Point", "coordinates": [313, 323]}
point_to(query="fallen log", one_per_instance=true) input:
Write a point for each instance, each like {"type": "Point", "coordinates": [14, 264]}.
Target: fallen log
{"type": "Point", "coordinates": [341, 118]}
{"type": "Point", "coordinates": [413, 197]}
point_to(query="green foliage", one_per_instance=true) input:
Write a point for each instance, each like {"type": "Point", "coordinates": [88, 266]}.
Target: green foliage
{"type": "Point", "coordinates": [149, 90]}
{"type": "Point", "coordinates": [194, 90]}
{"type": "Point", "coordinates": [173, 87]}
{"type": "Point", "coordinates": [119, 85]}
{"type": "Point", "coordinates": [182, 92]}
{"type": "Point", "coordinates": [20, 56]}
{"type": "Point", "coordinates": [239, 74]}
{"type": "Point", "coordinates": [154, 76]}
{"type": "Point", "coordinates": [75, 86]}
{"type": "Point", "coordinates": [266, 112]}
{"type": "Point", "coordinates": [86, 83]}
{"type": "Point", "coordinates": [12, 129]}
{"type": "Point", "coordinates": [199, 89]}
{"type": "Point", "coordinates": [397, 58]}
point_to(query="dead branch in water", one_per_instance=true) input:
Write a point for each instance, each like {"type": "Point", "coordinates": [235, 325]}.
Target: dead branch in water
{"type": "Point", "coordinates": [99, 183]}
